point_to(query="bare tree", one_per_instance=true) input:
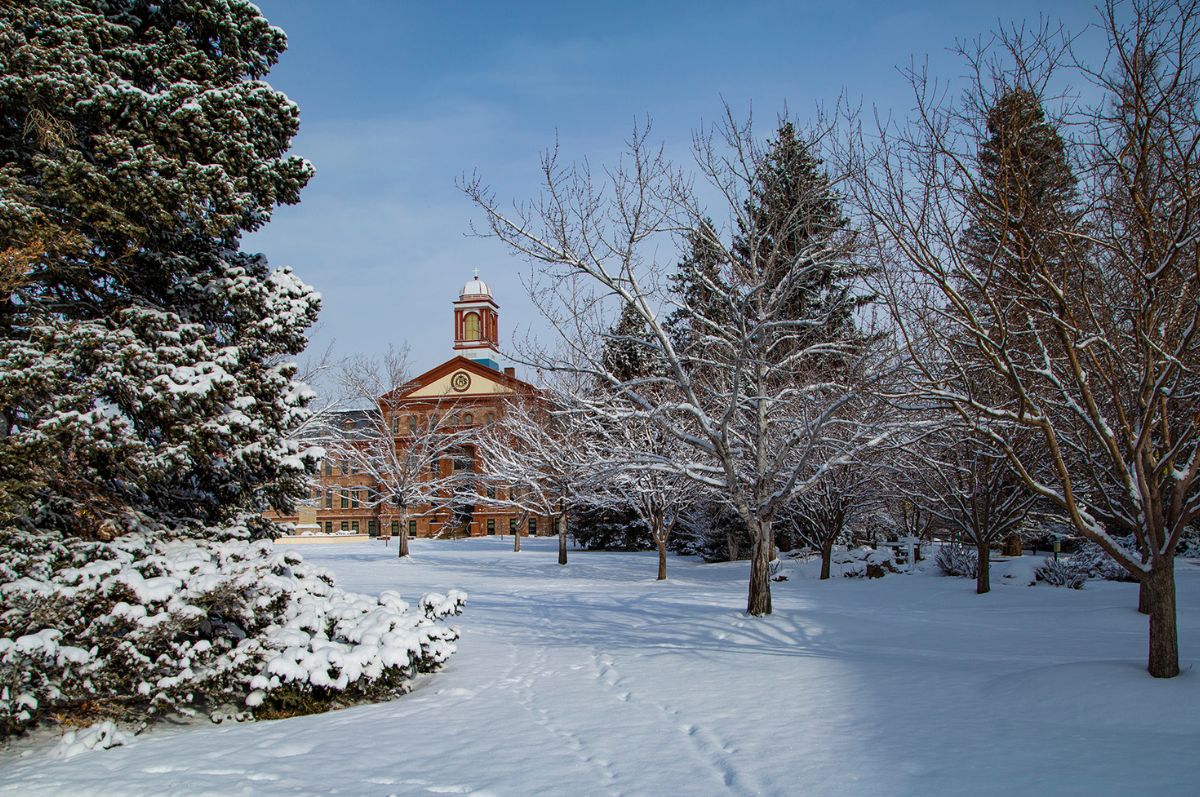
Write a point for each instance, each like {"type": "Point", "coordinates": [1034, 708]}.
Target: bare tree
{"type": "Point", "coordinates": [535, 460]}
{"type": "Point", "coordinates": [754, 396]}
{"type": "Point", "coordinates": [970, 490]}
{"type": "Point", "coordinates": [635, 470]}
{"type": "Point", "coordinates": [402, 456]}
{"type": "Point", "coordinates": [1088, 348]}
{"type": "Point", "coordinates": [821, 516]}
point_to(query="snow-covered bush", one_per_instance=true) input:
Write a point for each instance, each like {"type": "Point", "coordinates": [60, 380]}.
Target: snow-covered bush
{"type": "Point", "coordinates": [864, 562]}
{"type": "Point", "coordinates": [147, 625]}
{"type": "Point", "coordinates": [1092, 562]}
{"type": "Point", "coordinates": [1064, 573]}
{"type": "Point", "coordinates": [957, 560]}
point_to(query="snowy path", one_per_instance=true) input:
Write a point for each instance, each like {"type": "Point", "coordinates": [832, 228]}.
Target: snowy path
{"type": "Point", "coordinates": [595, 680]}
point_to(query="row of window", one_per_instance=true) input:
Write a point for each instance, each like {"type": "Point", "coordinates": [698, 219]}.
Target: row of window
{"type": "Point", "coordinates": [350, 499]}
{"type": "Point", "coordinates": [373, 526]}
{"type": "Point", "coordinates": [455, 419]}
{"type": "Point", "coordinates": [357, 497]}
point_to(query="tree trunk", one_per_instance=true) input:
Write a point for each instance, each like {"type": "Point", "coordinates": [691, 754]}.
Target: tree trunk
{"type": "Point", "coordinates": [774, 550]}
{"type": "Point", "coordinates": [1143, 598]}
{"type": "Point", "coordinates": [1164, 638]}
{"type": "Point", "coordinates": [1012, 545]}
{"type": "Point", "coordinates": [983, 580]}
{"type": "Point", "coordinates": [758, 601]}
{"type": "Point", "coordinates": [402, 548]}
{"type": "Point", "coordinates": [562, 538]}
{"type": "Point", "coordinates": [662, 558]}
{"type": "Point", "coordinates": [826, 559]}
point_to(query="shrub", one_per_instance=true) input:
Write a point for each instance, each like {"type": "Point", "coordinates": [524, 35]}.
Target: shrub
{"type": "Point", "coordinates": [957, 560]}
{"type": "Point", "coordinates": [1061, 574]}
{"type": "Point", "coordinates": [1092, 562]}
{"type": "Point", "coordinates": [864, 562]}
{"type": "Point", "coordinates": [145, 626]}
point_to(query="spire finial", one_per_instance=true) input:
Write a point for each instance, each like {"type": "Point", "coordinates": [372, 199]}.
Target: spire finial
{"type": "Point", "coordinates": [476, 273]}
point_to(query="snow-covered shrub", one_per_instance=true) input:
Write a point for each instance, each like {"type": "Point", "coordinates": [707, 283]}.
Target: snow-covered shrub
{"type": "Point", "coordinates": [957, 560]}
{"type": "Point", "coordinates": [1092, 562]}
{"type": "Point", "coordinates": [864, 562]}
{"type": "Point", "coordinates": [1021, 570]}
{"type": "Point", "coordinates": [610, 530]}
{"type": "Point", "coordinates": [1189, 544]}
{"type": "Point", "coordinates": [1063, 573]}
{"type": "Point", "coordinates": [147, 625]}
{"type": "Point", "coordinates": [101, 735]}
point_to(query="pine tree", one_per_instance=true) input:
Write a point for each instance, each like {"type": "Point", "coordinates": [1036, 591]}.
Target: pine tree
{"type": "Point", "coordinates": [1020, 214]}
{"type": "Point", "coordinates": [698, 286]}
{"type": "Point", "coordinates": [790, 223]}
{"type": "Point", "coordinates": [142, 368]}
{"type": "Point", "coordinates": [1024, 198]}
{"type": "Point", "coordinates": [629, 351]}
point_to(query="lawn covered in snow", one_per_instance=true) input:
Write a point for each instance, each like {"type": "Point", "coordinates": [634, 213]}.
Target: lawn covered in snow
{"type": "Point", "coordinates": [595, 679]}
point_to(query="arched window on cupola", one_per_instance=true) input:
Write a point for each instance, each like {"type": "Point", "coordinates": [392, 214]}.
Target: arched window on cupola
{"type": "Point", "coordinates": [471, 327]}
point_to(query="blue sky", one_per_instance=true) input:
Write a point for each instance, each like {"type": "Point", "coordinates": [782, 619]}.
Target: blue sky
{"type": "Point", "coordinates": [398, 99]}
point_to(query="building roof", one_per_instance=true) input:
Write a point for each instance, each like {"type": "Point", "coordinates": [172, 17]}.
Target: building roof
{"type": "Point", "coordinates": [417, 389]}
{"type": "Point", "coordinates": [475, 288]}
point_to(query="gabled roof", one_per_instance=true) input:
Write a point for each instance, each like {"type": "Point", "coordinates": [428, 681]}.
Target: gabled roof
{"type": "Point", "coordinates": [497, 383]}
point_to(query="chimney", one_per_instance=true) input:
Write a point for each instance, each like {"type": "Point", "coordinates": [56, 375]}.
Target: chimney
{"type": "Point", "coordinates": [510, 371]}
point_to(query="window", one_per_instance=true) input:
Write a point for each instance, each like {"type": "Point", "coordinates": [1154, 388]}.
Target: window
{"type": "Point", "coordinates": [354, 526]}
{"type": "Point", "coordinates": [490, 418]}
{"type": "Point", "coordinates": [354, 499]}
{"type": "Point", "coordinates": [373, 528]}
{"type": "Point", "coordinates": [395, 424]}
{"type": "Point", "coordinates": [345, 526]}
{"type": "Point", "coordinates": [491, 526]}
{"type": "Point", "coordinates": [412, 423]}
{"type": "Point", "coordinates": [491, 491]}
{"type": "Point", "coordinates": [412, 528]}
{"type": "Point", "coordinates": [532, 527]}
{"type": "Point", "coordinates": [344, 465]}
{"type": "Point", "coordinates": [345, 499]}
{"type": "Point", "coordinates": [468, 419]}
{"type": "Point", "coordinates": [512, 525]}
{"type": "Point", "coordinates": [328, 467]}
{"type": "Point", "coordinates": [329, 527]}
{"type": "Point", "coordinates": [471, 326]}
{"type": "Point", "coordinates": [329, 499]}
{"type": "Point", "coordinates": [433, 467]}
{"type": "Point", "coordinates": [395, 528]}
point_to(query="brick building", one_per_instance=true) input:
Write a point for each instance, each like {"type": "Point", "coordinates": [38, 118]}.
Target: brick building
{"type": "Point", "coordinates": [472, 387]}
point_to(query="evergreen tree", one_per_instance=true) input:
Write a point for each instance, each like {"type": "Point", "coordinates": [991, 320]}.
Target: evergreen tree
{"type": "Point", "coordinates": [142, 365]}
{"type": "Point", "coordinates": [790, 224]}
{"type": "Point", "coordinates": [698, 286]}
{"type": "Point", "coordinates": [1023, 201]}
{"type": "Point", "coordinates": [629, 351]}
{"type": "Point", "coordinates": [1020, 219]}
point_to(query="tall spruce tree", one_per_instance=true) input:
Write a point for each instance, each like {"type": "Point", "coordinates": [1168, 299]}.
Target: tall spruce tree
{"type": "Point", "coordinates": [698, 284]}
{"type": "Point", "coordinates": [1025, 196]}
{"type": "Point", "coordinates": [791, 221]}
{"type": "Point", "coordinates": [629, 349]}
{"type": "Point", "coordinates": [142, 354]}
{"type": "Point", "coordinates": [1020, 222]}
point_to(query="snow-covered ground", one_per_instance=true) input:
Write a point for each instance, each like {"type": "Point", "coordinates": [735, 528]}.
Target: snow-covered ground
{"type": "Point", "coordinates": [594, 679]}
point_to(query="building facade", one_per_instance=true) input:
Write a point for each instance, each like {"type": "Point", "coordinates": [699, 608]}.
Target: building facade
{"type": "Point", "coordinates": [470, 389]}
